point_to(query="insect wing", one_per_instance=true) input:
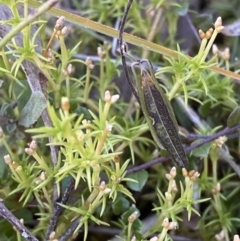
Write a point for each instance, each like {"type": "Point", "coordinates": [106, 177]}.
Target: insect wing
{"type": "Point", "coordinates": [141, 99]}
{"type": "Point", "coordinates": [159, 109]}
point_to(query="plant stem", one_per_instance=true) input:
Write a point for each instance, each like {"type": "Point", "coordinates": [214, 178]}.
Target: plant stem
{"type": "Point", "coordinates": [162, 234]}
{"type": "Point", "coordinates": [209, 45]}
{"type": "Point", "coordinates": [57, 210]}
{"type": "Point", "coordinates": [86, 87]}
{"type": "Point", "coordinates": [223, 132]}
{"type": "Point", "coordinates": [9, 150]}
{"type": "Point", "coordinates": [70, 230]}
{"type": "Point", "coordinates": [7, 214]}
{"type": "Point", "coordinates": [68, 87]}
{"type": "Point", "coordinates": [174, 89]}
{"type": "Point", "coordinates": [129, 231]}
{"type": "Point", "coordinates": [102, 78]}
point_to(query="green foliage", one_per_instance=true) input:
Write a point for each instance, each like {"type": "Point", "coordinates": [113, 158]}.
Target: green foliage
{"type": "Point", "coordinates": [234, 117]}
{"type": "Point", "coordinates": [33, 109]}
{"type": "Point", "coordinates": [141, 179]}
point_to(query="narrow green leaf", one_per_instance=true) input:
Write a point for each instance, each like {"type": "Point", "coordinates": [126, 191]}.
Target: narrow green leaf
{"type": "Point", "coordinates": [141, 178]}
{"type": "Point", "coordinates": [3, 165]}
{"type": "Point", "coordinates": [234, 117]}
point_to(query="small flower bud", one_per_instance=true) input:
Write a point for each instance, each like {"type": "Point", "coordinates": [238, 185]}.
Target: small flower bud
{"type": "Point", "coordinates": [216, 189]}
{"type": "Point", "coordinates": [70, 69]}
{"type": "Point", "coordinates": [65, 73]}
{"type": "Point", "coordinates": [107, 190]}
{"type": "Point", "coordinates": [65, 105]}
{"type": "Point", "coordinates": [218, 22]}
{"type": "Point", "coordinates": [42, 176]}
{"type": "Point", "coordinates": [52, 235]}
{"type": "Point", "coordinates": [101, 54]}
{"type": "Point", "coordinates": [226, 54]}
{"type": "Point", "coordinates": [114, 99]}
{"type": "Point", "coordinates": [107, 96]}
{"type": "Point", "coordinates": [89, 63]}
{"type": "Point", "coordinates": [87, 124]}
{"type": "Point", "coordinates": [132, 217]}
{"type": "Point", "coordinates": [116, 159]}
{"type": "Point", "coordinates": [209, 33]}
{"type": "Point", "coordinates": [58, 33]}
{"type": "Point", "coordinates": [201, 34]}
{"type": "Point", "coordinates": [50, 55]}
{"type": "Point", "coordinates": [29, 151]}
{"type": "Point", "coordinates": [219, 29]}
{"type": "Point", "coordinates": [37, 182]}
{"type": "Point", "coordinates": [184, 172]}
{"type": "Point", "coordinates": [168, 196]}
{"type": "Point", "coordinates": [59, 23]}
{"type": "Point", "coordinates": [64, 31]}
{"type": "Point", "coordinates": [102, 186]}
{"type": "Point", "coordinates": [195, 176]}
{"type": "Point", "coordinates": [220, 236]}
{"type": "Point", "coordinates": [236, 238]}
{"type": "Point", "coordinates": [191, 173]}
{"type": "Point", "coordinates": [33, 145]}
{"type": "Point", "coordinates": [215, 50]}
{"type": "Point", "coordinates": [165, 223]}
{"type": "Point", "coordinates": [168, 176]}
{"type": "Point", "coordinates": [108, 127]}
{"type": "Point", "coordinates": [133, 238]}
{"type": "Point", "coordinates": [7, 159]}
{"type": "Point", "coordinates": [172, 225]}
{"type": "Point", "coordinates": [80, 135]}
{"type": "Point", "coordinates": [173, 172]}
{"type": "Point", "coordinates": [220, 141]}
{"type": "Point", "coordinates": [15, 165]}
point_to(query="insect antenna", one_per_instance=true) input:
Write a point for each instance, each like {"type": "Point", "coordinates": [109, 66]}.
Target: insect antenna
{"type": "Point", "coordinates": [123, 49]}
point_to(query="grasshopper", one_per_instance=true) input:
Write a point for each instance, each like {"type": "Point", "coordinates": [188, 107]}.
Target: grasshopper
{"type": "Point", "coordinates": [154, 103]}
